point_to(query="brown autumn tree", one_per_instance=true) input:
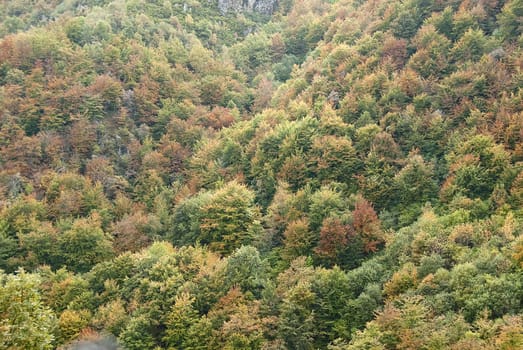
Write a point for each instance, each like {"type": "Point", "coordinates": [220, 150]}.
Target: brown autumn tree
{"type": "Point", "coordinates": [366, 224]}
{"type": "Point", "coordinates": [334, 238]}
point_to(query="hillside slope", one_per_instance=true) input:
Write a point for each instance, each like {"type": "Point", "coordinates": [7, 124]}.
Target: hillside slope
{"type": "Point", "coordinates": [208, 174]}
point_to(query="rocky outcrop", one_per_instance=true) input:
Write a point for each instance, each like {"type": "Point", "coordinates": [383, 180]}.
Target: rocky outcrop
{"type": "Point", "coordinates": [265, 7]}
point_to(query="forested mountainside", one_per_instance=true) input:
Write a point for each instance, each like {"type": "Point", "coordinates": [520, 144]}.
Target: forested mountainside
{"type": "Point", "coordinates": [308, 174]}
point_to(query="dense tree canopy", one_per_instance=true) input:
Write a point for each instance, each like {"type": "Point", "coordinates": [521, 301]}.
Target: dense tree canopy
{"type": "Point", "coordinates": [336, 175]}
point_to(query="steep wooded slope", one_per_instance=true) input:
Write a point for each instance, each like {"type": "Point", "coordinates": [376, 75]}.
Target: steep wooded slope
{"type": "Point", "coordinates": [342, 175]}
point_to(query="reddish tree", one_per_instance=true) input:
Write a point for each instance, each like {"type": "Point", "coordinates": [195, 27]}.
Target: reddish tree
{"type": "Point", "coordinates": [218, 118]}
{"type": "Point", "coordinates": [334, 238]}
{"type": "Point", "coordinates": [395, 51]}
{"type": "Point", "coordinates": [263, 94]}
{"type": "Point", "coordinates": [366, 223]}
{"type": "Point", "coordinates": [82, 138]}
{"type": "Point", "coordinates": [130, 233]}
{"type": "Point", "coordinates": [174, 153]}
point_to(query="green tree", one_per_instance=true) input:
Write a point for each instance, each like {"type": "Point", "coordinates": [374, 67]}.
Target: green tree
{"type": "Point", "coordinates": [84, 245]}
{"type": "Point", "coordinates": [476, 166]}
{"type": "Point", "coordinates": [510, 20]}
{"type": "Point", "coordinates": [181, 317]}
{"type": "Point", "coordinates": [297, 323]}
{"type": "Point", "coordinates": [187, 218]}
{"type": "Point", "coordinates": [8, 245]}
{"type": "Point", "coordinates": [335, 159]}
{"type": "Point", "coordinates": [415, 182]}
{"type": "Point", "coordinates": [326, 202]}
{"type": "Point", "coordinates": [246, 269]}
{"type": "Point", "coordinates": [471, 46]}
{"type": "Point", "coordinates": [298, 240]}
{"type": "Point", "coordinates": [331, 307]}
{"type": "Point", "coordinates": [230, 219]}
{"type": "Point", "coordinates": [26, 323]}
{"type": "Point", "coordinates": [137, 335]}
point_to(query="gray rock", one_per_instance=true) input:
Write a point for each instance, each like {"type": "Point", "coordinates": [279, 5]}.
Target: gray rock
{"type": "Point", "coordinates": [265, 7]}
{"type": "Point", "coordinates": [100, 344]}
{"type": "Point", "coordinates": [498, 54]}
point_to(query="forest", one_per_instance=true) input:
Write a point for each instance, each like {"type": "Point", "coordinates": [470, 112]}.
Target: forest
{"type": "Point", "coordinates": [269, 175]}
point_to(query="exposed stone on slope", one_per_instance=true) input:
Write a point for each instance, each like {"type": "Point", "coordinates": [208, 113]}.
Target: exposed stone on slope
{"type": "Point", "coordinates": [265, 7]}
